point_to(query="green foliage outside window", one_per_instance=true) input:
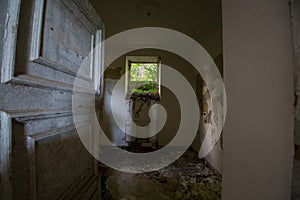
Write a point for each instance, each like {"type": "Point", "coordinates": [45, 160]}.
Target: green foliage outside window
{"type": "Point", "coordinates": [143, 78]}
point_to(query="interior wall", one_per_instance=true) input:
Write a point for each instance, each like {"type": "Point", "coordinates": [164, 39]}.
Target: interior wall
{"type": "Point", "coordinates": [258, 73]}
{"type": "Point", "coordinates": [117, 69]}
{"type": "Point", "coordinates": [167, 100]}
{"type": "Point", "coordinates": [211, 39]}
{"type": "Point", "coordinates": [295, 25]}
{"type": "Point", "coordinates": [295, 19]}
{"type": "Point", "coordinates": [210, 36]}
{"type": "Point", "coordinates": [200, 20]}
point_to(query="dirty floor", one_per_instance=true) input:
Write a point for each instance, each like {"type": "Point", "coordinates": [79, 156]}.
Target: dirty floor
{"type": "Point", "coordinates": [188, 178]}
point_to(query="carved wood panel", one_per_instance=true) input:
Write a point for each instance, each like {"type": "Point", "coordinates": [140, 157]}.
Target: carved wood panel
{"type": "Point", "coordinates": [42, 156]}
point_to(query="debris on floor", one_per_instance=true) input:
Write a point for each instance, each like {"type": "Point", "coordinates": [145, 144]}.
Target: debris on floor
{"type": "Point", "coordinates": [188, 178]}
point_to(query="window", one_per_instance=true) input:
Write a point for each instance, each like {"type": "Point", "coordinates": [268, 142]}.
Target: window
{"type": "Point", "coordinates": [143, 76]}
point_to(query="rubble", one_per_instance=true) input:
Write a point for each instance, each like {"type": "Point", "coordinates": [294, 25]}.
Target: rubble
{"type": "Point", "coordinates": [187, 178]}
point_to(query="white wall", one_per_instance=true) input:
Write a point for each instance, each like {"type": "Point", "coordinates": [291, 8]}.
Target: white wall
{"type": "Point", "coordinates": [258, 72]}
{"type": "Point", "coordinates": [167, 101]}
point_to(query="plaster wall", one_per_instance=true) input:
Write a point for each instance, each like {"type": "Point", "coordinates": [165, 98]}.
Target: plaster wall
{"type": "Point", "coordinates": [258, 73]}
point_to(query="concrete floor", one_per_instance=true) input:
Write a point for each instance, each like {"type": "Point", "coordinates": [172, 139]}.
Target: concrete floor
{"type": "Point", "coordinates": [187, 178]}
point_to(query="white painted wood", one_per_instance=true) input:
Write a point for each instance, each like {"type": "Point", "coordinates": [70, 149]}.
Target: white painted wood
{"type": "Point", "coordinates": [32, 97]}
{"type": "Point", "coordinates": [102, 66]}
{"type": "Point", "coordinates": [5, 157]}
{"type": "Point", "coordinates": [9, 40]}
{"type": "Point", "coordinates": [31, 162]}
{"type": "Point", "coordinates": [37, 28]}
{"type": "Point", "coordinates": [92, 59]}
{"type": "Point", "coordinates": [8, 61]}
{"type": "Point", "coordinates": [37, 54]}
{"type": "Point", "coordinates": [97, 61]}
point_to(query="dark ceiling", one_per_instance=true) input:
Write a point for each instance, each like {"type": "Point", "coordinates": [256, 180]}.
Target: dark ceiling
{"type": "Point", "coordinates": [189, 17]}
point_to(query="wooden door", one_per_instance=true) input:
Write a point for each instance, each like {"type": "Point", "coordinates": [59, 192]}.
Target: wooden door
{"type": "Point", "coordinates": [45, 43]}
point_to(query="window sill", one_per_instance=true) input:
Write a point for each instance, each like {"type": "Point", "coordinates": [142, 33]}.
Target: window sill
{"type": "Point", "coordinates": [143, 96]}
